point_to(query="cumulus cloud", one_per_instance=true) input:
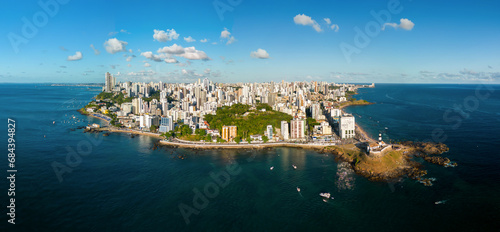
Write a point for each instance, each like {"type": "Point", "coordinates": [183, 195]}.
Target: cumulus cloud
{"type": "Point", "coordinates": [189, 53]}
{"type": "Point", "coordinates": [302, 19]}
{"type": "Point", "coordinates": [260, 54]}
{"type": "Point", "coordinates": [226, 35]}
{"type": "Point", "coordinates": [76, 56]}
{"type": "Point", "coordinates": [151, 56]}
{"type": "Point", "coordinates": [404, 24]}
{"type": "Point", "coordinates": [189, 39]}
{"type": "Point", "coordinates": [204, 40]}
{"type": "Point", "coordinates": [96, 52]}
{"type": "Point", "coordinates": [171, 60]}
{"type": "Point", "coordinates": [147, 65]}
{"type": "Point", "coordinates": [174, 49]}
{"type": "Point", "coordinates": [164, 36]}
{"type": "Point", "coordinates": [129, 58]}
{"type": "Point", "coordinates": [327, 21]}
{"type": "Point", "coordinates": [114, 45]}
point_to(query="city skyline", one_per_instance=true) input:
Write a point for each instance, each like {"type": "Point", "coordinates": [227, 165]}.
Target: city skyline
{"type": "Point", "coordinates": [242, 41]}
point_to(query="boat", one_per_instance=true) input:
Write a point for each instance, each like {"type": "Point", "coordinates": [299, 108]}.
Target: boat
{"type": "Point", "coordinates": [325, 195]}
{"type": "Point", "coordinates": [440, 202]}
{"type": "Point", "coordinates": [53, 122]}
{"type": "Point", "coordinates": [294, 167]}
{"type": "Point", "coordinates": [298, 189]}
{"type": "Point", "coordinates": [271, 168]}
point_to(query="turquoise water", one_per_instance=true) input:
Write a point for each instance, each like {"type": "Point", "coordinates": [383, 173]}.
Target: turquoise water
{"type": "Point", "coordinates": [118, 183]}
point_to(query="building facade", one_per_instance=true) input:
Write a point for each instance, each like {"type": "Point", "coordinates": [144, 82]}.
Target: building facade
{"type": "Point", "coordinates": [347, 126]}
{"type": "Point", "coordinates": [229, 133]}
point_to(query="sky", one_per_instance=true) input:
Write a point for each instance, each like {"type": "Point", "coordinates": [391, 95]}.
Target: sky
{"type": "Point", "coordinates": [390, 41]}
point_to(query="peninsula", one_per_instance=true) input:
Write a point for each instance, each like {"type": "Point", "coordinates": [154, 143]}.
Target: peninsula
{"type": "Point", "coordinates": [207, 115]}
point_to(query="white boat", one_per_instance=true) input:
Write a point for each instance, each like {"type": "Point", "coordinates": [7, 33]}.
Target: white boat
{"type": "Point", "coordinates": [53, 122]}
{"type": "Point", "coordinates": [271, 168]}
{"type": "Point", "coordinates": [325, 195]}
{"type": "Point", "coordinates": [440, 202]}
{"type": "Point", "coordinates": [298, 189]}
{"type": "Point", "coordinates": [294, 167]}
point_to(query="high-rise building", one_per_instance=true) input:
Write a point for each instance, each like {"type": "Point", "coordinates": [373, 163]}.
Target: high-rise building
{"type": "Point", "coordinates": [347, 126]}
{"type": "Point", "coordinates": [284, 130]}
{"type": "Point", "coordinates": [166, 124]}
{"type": "Point", "coordinates": [109, 82]}
{"type": "Point", "coordinates": [269, 131]}
{"type": "Point", "coordinates": [315, 111]}
{"type": "Point", "coordinates": [297, 128]}
{"type": "Point", "coordinates": [229, 133]}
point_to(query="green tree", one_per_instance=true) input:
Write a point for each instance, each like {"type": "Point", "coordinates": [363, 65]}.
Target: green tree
{"type": "Point", "coordinates": [153, 128]}
{"type": "Point", "coordinates": [208, 138]}
{"type": "Point", "coordinates": [237, 139]}
{"type": "Point", "coordinates": [265, 139]}
{"type": "Point", "coordinates": [249, 140]}
{"type": "Point", "coordinates": [186, 130]}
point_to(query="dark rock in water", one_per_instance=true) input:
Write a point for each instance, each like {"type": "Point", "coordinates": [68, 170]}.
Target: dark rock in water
{"type": "Point", "coordinates": [72, 129]}
{"type": "Point", "coordinates": [80, 127]}
{"type": "Point", "coordinates": [105, 134]}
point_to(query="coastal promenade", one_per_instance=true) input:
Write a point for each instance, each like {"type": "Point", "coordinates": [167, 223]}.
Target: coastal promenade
{"type": "Point", "coordinates": [202, 145]}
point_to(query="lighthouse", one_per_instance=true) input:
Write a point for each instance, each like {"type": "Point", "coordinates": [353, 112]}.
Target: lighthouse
{"type": "Point", "coordinates": [380, 140]}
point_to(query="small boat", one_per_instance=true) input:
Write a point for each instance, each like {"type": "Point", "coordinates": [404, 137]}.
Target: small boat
{"type": "Point", "coordinates": [298, 189]}
{"type": "Point", "coordinates": [440, 202]}
{"type": "Point", "coordinates": [271, 168]}
{"type": "Point", "coordinates": [53, 122]}
{"type": "Point", "coordinates": [387, 128]}
{"type": "Point", "coordinates": [325, 195]}
{"type": "Point", "coordinates": [324, 200]}
{"type": "Point", "coordinates": [294, 167]}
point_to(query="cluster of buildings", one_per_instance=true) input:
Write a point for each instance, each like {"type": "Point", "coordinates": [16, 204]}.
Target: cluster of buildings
{"type": "Point", "coordinates": [162, 106]}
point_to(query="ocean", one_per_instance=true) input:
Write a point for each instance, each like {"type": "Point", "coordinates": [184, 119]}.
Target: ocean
{"type": "Point", "coordinates": [68, 180]}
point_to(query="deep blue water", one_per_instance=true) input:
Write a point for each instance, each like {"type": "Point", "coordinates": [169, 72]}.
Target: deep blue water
{"type": "Point", "coordinates": [118, 183]}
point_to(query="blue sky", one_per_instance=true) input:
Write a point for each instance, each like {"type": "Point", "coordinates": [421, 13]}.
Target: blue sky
{"type": "Point", "coordinates": [422, 42]}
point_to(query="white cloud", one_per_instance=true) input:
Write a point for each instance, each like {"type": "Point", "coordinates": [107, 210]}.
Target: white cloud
{"type": "Point", "coordinates": [174, 49]}
{"type": "Point", "coordinates": [405, 24]}
{"type": "Point", "coordinates": [96, 52]}
{"type": "Point", "coordinates": [231, 40]}
{"type": "Point", "coordinates": [114, 45]}
{"type": "Point", "coordinates": [328, 21]}
{"type": "Point", "coordinates": [260, 54]}
{"type": "Point", "coordinates": [77, 56]}
{"type": "Point", "coordinates": [151, 56]}
{"type": "Point", "coordinates": [335, 27]}
{"type": "Point", "coordinates": [192, 54]}
{"type": "Point", "coordinates": [129, 58]}
{"type": "Point", "coordinates": [204, 40]}
{"type": "Point", "coordinates": [226, 35]}
{"type": "Point", "coordinates": [302, 19]}
{"type": "Point", "coordinates": [189, 39]}
{"type": "Point", "coordinates": [164, 36]}
{"type": "Point", "coordinates": [171, 60]}
{"type": "Point", "coordinates": [147, 65]}
{"type": "Point", "coordinates": [207, 71]}
{"type": "Point", "coordinates": [189, 53]}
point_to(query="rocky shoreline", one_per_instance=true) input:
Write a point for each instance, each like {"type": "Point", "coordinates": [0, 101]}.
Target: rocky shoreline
{"type": "Point", "coordinates": [405, 165]}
